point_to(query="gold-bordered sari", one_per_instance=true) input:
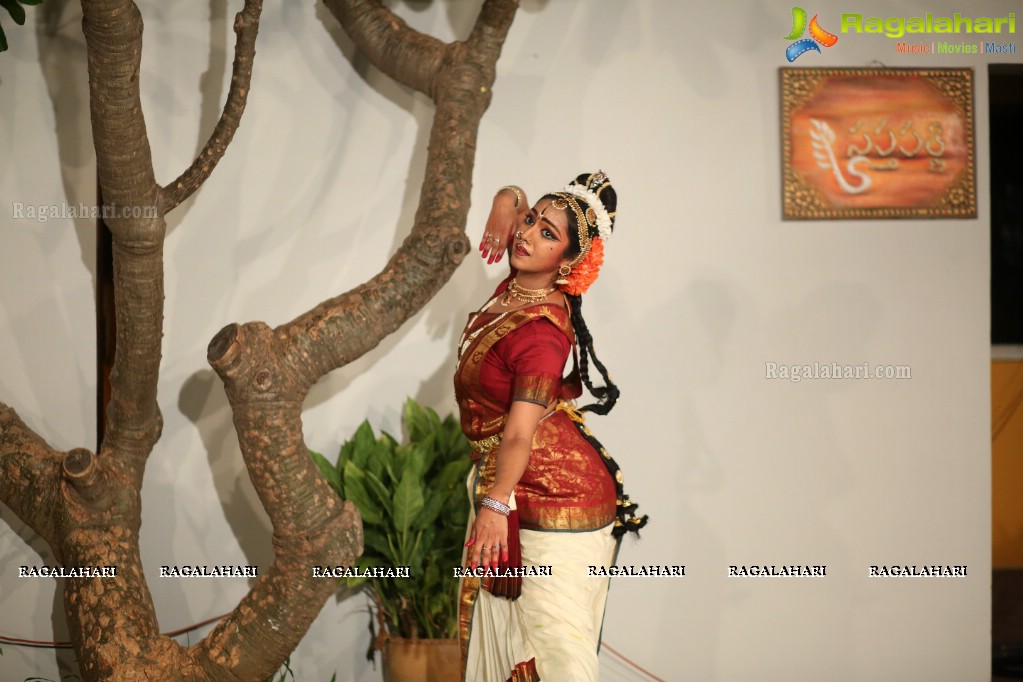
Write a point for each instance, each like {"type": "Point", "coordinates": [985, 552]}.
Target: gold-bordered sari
{"type": "Point", "coordinates": [566, 487]}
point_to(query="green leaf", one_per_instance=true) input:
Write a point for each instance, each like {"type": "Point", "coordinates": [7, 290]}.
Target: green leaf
{"type": "Point", "coordinates": [375, 543]}
{"type": "Point", "coordinates": [458, 444]}
{"type": "Point", "coordinates": [408, 501]}
{"type": "Point", "coordinates": [414, 555]}
{"type": "Point", "coordinates": [365, 444]}
{"type": "Point", "coordinates": [383, 452]}
{"type": "Point", "coordinates": [430, 548]}
{"type": "Point", "coordinates": [392, 548]}
{"type": "Point", "coordinates": [392, 476]}
{"type": "Point", "coordinates": [436, 426]}
{"type": "Point", "coordinates": [431, 509]}
{"type": "Point", "coordinates": [329, 472]}
{"type": "Point", "coordinates": [345, 454]}
{"type": "Point", "coordinates": [456, 508]}
{"type": "Point", "coordinates": [355, 490]}
{"type": "Point", "coordinates": [417, 463]}
{"type": "Point", "coordinates": [16, 11]}
{"type": "Point", "coordinates": [453, 474]}
{"type": "Point", "coordinates": [379, 492]}
{"type": "Point", "coordinates": [417, 422]}
{"type": "Point", "coordinates": [431, 447]}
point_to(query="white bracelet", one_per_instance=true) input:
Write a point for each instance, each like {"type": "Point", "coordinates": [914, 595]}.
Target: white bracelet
{"type": "Point", "coordinates": [500, 507]}
{"type": "Point", "coordinates": [518, 194]}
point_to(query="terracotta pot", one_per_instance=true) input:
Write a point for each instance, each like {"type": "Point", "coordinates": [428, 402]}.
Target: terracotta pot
{"type": "Point", "coordinates": [421, 660]}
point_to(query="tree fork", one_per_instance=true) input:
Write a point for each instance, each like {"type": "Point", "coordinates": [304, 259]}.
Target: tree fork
{"type": "Point", "coordinates": [311, 526]}
{"type": "Point", "coordinates": [87, 505]}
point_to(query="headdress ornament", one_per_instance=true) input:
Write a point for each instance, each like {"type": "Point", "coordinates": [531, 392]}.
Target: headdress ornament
{"type": "Point", "coordinates": [596, 213]}
{"type": "Point", "coordinates": [594, 221]}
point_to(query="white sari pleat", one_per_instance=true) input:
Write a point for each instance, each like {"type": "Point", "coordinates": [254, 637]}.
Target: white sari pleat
{"type": "Point", "coordinates": [556, 621]}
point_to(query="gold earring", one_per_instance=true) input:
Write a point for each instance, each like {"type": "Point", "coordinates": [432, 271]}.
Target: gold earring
{"type": "Point", "coordinates": [563, 272]}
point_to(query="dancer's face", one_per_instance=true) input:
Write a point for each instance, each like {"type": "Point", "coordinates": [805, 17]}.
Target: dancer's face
{"type": "Point", "coordinates": [545, 238]}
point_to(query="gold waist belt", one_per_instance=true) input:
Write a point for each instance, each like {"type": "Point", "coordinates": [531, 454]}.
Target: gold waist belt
{"type": "Point", "coordinates": [490, 443]}
{"type": "Point", "coordinates": [486, 444]}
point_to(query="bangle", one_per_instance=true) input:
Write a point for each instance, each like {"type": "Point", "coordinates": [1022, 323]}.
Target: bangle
{"type": "Point", "coordinates": [492, 504]}
{"type": "Point", "coordinates": [518, 194]}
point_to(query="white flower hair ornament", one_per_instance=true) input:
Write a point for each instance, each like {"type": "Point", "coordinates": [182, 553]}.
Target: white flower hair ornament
{"type": "Point", "coordinates": [594, 202]}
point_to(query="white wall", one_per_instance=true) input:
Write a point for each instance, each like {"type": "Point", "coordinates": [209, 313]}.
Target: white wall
{"type": "Point", "coordinates": [703, 285]}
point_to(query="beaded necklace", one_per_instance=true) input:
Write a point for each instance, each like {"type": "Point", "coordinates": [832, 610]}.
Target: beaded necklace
{"type": "Point", "coordinates": [514, 292]}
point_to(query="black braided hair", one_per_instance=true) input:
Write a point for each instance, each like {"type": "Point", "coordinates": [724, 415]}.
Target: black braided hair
{"type": "Point", "coordinates": [606, 395]}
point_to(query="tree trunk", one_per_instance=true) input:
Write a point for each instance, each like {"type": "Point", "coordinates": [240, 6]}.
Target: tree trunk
{"type": "Point", "coordinates": [87, 505]}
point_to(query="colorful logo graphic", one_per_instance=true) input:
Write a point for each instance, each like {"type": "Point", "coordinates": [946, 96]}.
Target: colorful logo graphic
{"type": "Point", "coordinates": [817, 35]}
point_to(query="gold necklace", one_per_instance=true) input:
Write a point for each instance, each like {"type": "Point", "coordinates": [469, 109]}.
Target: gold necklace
{"type": "Point", "coordinates": [517, 293]}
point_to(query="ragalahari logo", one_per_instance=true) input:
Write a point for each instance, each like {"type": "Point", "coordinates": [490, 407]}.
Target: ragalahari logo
{"type": "Point", "coordinates": [817, 35]}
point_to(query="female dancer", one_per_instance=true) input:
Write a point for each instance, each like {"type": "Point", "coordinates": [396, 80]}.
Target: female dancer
{"type": "Point", "coordinates": [547, 499]}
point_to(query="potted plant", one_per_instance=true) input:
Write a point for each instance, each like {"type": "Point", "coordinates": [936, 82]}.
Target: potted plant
{"type": "Point", "coordinates": [414, 508]}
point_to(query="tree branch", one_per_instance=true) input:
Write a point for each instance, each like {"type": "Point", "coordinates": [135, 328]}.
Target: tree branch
{"type": "Point", "coordinates": [30, 473]}
{"type": "Point", "coordinates": [246, 26]}
{"type": "Point", "coordinates": [406, 55]}
{"type": "Point", "coordinates": [270, 621]}
{"type": "Point", "coordinates": [268, 372]}
{"type": "Point", "coordinates": [312, 526]}
{"type": "Point", "coordinates": [343, 328]}
{"type": "Point", "coordinates": [492, 24]}
{"type": "Point", "coordinates": [111, 620]}
{"type": "Point", "coordinates": [113, 38]}
{"type": "Point", "coordinates": [70, 501]}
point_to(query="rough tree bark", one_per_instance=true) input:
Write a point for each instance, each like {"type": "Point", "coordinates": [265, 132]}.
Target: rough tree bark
{"type": "Point", "coordinates": [86, 505]}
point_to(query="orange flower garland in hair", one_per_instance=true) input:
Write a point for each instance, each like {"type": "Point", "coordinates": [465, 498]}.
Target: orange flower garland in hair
{"type": "Point", "coordinates": [585, 272]}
